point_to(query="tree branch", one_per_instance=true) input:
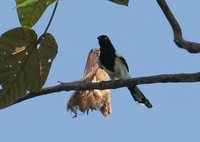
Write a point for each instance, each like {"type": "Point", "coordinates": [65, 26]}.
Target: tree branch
{"type": "Point", "coordinates": [165, 78]}
{"type": "Point", "coordinates": [191, 47]}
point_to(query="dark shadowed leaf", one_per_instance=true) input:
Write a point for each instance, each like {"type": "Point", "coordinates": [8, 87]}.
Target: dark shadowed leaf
{"type": "Point", "coordinates": [22, 65]}
{"type": "Point", "coordinates": [47, 52]}
{"type": "Point", "coordinates": [30, 11]}
{"type": "Point", "coordinates": [121, 2]}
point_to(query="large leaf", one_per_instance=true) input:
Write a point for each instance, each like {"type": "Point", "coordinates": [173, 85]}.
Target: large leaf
{"type": "Point", "coordinates": [25, 3]}
{"type": "Point", "coordinates": [121, 2]}
{"type": "Point", "coordinates": [30, 11]}
{"type": "Point", "coordinates": [23, 66]}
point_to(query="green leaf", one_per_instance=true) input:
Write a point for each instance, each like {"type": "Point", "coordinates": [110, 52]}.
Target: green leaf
{"type": "Point", "coordinates": [30, 11]}
{"type": "Point", "coordinates": [23, 66]}
{"type": "Point", "coordinates": [25, 3]}
{"type": "Point", "coordinates": [47, 52]}
{"type": "Point", "coordinates": [121, 2]}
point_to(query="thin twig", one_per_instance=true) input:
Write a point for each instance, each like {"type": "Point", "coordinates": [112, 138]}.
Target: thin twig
{"type": "Point", "coordinates": [48, 25]}
{"type": "Point", "coordinates": [191, 47]}
{"type": "Point", "coordinates": [165, 78]}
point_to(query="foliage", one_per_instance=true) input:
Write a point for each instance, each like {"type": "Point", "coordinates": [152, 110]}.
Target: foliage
{"type": "Point", "coordinates": [122, 2]}
{"type": "Point", "coordinates": [30, 11]}
{"type": "Point", "coordinates": [23, 66]}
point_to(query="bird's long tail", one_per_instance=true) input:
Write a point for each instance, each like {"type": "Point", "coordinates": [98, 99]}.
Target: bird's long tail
{"type": "Point", "coordinates": [139, 96]}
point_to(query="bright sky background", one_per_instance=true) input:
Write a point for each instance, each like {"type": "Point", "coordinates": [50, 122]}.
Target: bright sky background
{"type": "Point", "coordinates": [143, 36]}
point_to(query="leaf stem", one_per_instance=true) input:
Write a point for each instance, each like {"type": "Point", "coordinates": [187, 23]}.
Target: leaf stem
{"type": "Point", "coordinates": [48, 25]}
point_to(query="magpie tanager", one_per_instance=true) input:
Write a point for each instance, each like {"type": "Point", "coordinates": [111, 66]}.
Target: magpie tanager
{"type": "Point", "coordinates": [117, 68]}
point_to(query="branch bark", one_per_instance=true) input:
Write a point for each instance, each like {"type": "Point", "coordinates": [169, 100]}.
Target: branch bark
{"type": "Point", "coordinates": [165, 78]}
{"type": "Point", "coordinates": [191, 47]}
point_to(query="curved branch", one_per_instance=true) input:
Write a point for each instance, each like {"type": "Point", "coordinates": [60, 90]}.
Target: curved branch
{"type": "Point", "coordinates": [165, 78]}
{"type": "Point", "coordinates": [191, 47]}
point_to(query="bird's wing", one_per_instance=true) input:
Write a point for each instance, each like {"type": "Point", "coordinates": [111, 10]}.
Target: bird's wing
{"type": "Point", "coordinates": [123, 60]}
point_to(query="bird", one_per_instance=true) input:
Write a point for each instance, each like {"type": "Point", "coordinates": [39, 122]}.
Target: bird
{"type": "Point", "coordinates": [117, 68]}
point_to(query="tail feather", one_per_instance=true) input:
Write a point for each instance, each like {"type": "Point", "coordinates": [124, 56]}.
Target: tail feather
{"type": "Point", "coordinates": [139, 96]}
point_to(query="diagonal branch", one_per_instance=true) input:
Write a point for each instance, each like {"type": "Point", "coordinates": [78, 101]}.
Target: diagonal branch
{"type": "Point", "coordinates": [191, 47]}
{"type": "Point", "coordinates": [165, 78]}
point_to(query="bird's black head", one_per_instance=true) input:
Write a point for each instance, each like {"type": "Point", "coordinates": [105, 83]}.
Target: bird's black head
{"type": "Point", "coordinates": [105, 43]}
